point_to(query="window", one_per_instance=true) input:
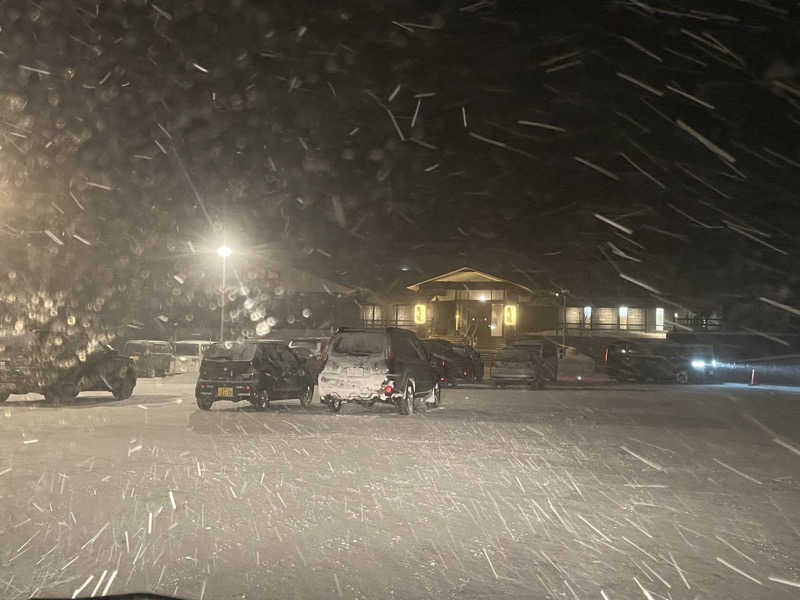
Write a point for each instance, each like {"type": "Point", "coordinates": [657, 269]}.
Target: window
{"type": "Point", "coordinates": [402, 346]}
{"type": "Point", "coordinates": [659, 319]}
{"type": "Point", "coordinates": [587, 314]}
{"type": "Point", "coordinates": [623, 317]}
{"type": "Point", "coordinates": [418, 349]}
{"type": "Point", "coordinates": [371, 312]}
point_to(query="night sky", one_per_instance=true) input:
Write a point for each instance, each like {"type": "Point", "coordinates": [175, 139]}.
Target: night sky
{"type": "Point", "coordinates": [359, 137]}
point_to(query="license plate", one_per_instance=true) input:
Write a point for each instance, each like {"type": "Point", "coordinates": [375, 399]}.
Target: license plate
{"type": "Point", "coordinates": [225, 392]}
{"type": "Point", "coordinates": [355, 372]}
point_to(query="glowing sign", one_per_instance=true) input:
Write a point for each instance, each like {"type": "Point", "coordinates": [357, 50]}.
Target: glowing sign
{"type": "Point", "coordinates": [420, 314]}
{"type": "Point", "coordinates": [510, 315]}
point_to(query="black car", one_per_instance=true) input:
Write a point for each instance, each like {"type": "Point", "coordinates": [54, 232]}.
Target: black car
{"type": "Point", "coordinates": [99, 370]}
{"type": "Point", "coordinates": [258, 371]}
{"type": "Point", "coordinates": [660, 361]}
{"type": "Point", "coordinates": [474, 357]}
{"type": "Point", "coordinates": [457, 367]}
{"type": "Point", "coordinates": [379, 365]}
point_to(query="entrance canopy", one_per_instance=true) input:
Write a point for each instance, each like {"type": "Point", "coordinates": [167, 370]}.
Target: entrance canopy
{"type": "Point", "coordinates": [466, 277]}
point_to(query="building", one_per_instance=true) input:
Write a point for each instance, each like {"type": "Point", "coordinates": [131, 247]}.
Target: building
{"type": "Point", "coordinates": [466, 303]}
{"type": "Point", "coordinates": [486, 310]}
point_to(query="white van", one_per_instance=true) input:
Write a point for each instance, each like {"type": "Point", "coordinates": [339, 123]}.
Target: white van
{"type": "Point", "coordinates": [189, 354]}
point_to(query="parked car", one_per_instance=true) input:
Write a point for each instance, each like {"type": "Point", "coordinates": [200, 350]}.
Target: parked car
{"type": "Point", "coordinates": [312, 350]}
{"type": "Point", "coordinates": [474, 357]}
{"type": "Point", "coordinates": [457, 367]}
{"type": "Point", "coordinates": [102, 369]}
{"type": "Point", "coordinates": [378, 365]}
{"type": "Point", "coordinates": [662, 362]}
{"type": "Point", "coordinates": [515, 365]}
{"type": "Point", "coordinates": [549, 354]}
{"type": "Point", "coordinates": [257, 371]}
{"type": "Point", "coordinates": [154, 358]}
{"type": "Point", "coordinates": [189, 355]}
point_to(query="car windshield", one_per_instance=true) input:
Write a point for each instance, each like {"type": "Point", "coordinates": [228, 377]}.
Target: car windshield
{"type": "Point", "coordinates": [231, 351]}
{"type": "Point", "coordinates": [359, 343]}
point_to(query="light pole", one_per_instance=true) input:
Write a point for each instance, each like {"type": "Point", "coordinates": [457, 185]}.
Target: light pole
{"type": "Point", "coordinates": [223, 252]}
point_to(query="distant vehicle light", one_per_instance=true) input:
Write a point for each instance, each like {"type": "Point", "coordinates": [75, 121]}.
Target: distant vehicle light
{"type": "Point", "coordinates": [713, 363]}
{"type": "Point", "coordinates": [580, 377]}
{"type": "Point", "coordinates": [623, 351]}
{"type": "Point", "coordinates": [388, 389]}
{"type": "Point", "coordinates": [698, 364]}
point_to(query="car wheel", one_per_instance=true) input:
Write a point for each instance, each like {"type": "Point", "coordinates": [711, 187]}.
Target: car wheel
{"type": "Point", "coordinates": [407, 401]}
{"type": "Point", "coordinates": [124, 389]}
{"type": "Point", "coordinates": [435, 399]}
{"type": "Point", "coordinates": [682, 377]}
{"type": "Point", "coordinates": [61, 393]}
{"type": "Point", "coordinates": [306, 395]}
{"type": "Point", "coordinates": [4, 396]}
{"type": "Point", "coordinates": [151, 372]}
{"type": "Point", "coordinates": [261, 400]}
{"type": "Point", "coordinates": [204, 403]}
{"type": "Point", "coordinates": [540, 384]}
{"type": "Point", "coordinates": [335, 405]}
{"type": "Point", "coordinates": [161, 373]}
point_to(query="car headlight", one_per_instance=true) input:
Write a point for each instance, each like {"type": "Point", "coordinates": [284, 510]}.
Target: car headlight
{"type": "Point", "coordinates": [714, 363]}
{"type": "Point", "coordinates": [698, 364]}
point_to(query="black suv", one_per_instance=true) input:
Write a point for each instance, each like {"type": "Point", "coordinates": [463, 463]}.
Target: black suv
{"type": "Point", "coordinates": [378, 365]}
{"type": "Point", "coordinates": [102, 369]}
{"type": "Point", "coordinates": [255, 370]}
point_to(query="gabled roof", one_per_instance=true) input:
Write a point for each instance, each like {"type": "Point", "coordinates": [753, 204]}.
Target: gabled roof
{"type": "Point", "coordinates": [466, 275]}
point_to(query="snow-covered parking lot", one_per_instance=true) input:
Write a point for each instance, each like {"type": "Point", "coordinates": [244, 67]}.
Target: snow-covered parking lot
{"type": "Point", "coordinates": [596, 492]}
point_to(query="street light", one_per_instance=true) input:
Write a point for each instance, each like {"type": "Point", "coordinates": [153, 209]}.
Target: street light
{"type": "Point", "coordinates": [223, 252]}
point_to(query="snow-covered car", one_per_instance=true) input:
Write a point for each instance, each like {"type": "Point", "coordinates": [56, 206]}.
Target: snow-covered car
{"type": "Point", "coordinates": [378, 365]}
{"type": "Point", "coordinates": [518, 366]}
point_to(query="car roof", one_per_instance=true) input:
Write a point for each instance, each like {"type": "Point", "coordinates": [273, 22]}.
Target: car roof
{"type": "Point", "coordinates": [195, 342]}
{"type": "Point", "coordinates": [147, 341]}
{"type": "Point", "coordinates": [309, 339]}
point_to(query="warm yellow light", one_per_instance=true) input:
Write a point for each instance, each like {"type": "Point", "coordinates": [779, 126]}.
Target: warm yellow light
{"type": "Point", "coordinates": [510, 315]}
{"type": "Point", "coordinates": [420, 314]}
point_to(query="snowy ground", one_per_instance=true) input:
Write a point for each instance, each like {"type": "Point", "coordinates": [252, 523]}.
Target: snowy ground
{"type": "Point", "coordinates": [604, 492]}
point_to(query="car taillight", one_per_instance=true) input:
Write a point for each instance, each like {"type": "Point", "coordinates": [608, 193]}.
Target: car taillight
{"type": "Point", "coordinates": [388, 390]}
{"type": "Point", "coordinates": [441, 378]}
{"type": "Point", "coordinates": [465, 373]}
{"type": "Point", "coordinates": [442, 363]}
{"type": "Point", "coordinates": [605, 358]}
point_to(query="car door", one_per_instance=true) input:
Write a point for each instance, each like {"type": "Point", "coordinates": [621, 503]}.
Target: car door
{"type": "Point", "coordinates": [296, 373]}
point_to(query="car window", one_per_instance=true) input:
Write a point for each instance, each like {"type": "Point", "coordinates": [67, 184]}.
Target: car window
{"type": "Point", "coordinates": [359, 343]}
{"type": "Point", "coordinates": [403, 347]}
{"type": "Point", "coordinates": [231, 351]}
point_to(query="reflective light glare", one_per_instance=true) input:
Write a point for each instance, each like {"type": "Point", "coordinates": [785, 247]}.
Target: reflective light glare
{"type": "Point", "coordinates": [224, 251]}
{"type": "Point", "coordinates": [698, 364]}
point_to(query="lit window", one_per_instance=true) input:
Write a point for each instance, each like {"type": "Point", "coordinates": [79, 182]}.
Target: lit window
{"type": "Point", "coordinates": [510, 315]}
{"type": "Point", "coordinates": [659, 319]}
{"type": "Point", "coordinates": [420, 314]}
{"type": "Point", "coordinates": [623, 317]}
{"type": "Point", "coordinates": [587, 314]}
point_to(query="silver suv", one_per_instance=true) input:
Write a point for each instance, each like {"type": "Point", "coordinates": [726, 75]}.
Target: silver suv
{"type": "Point", "coordinates": [378, 365]}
